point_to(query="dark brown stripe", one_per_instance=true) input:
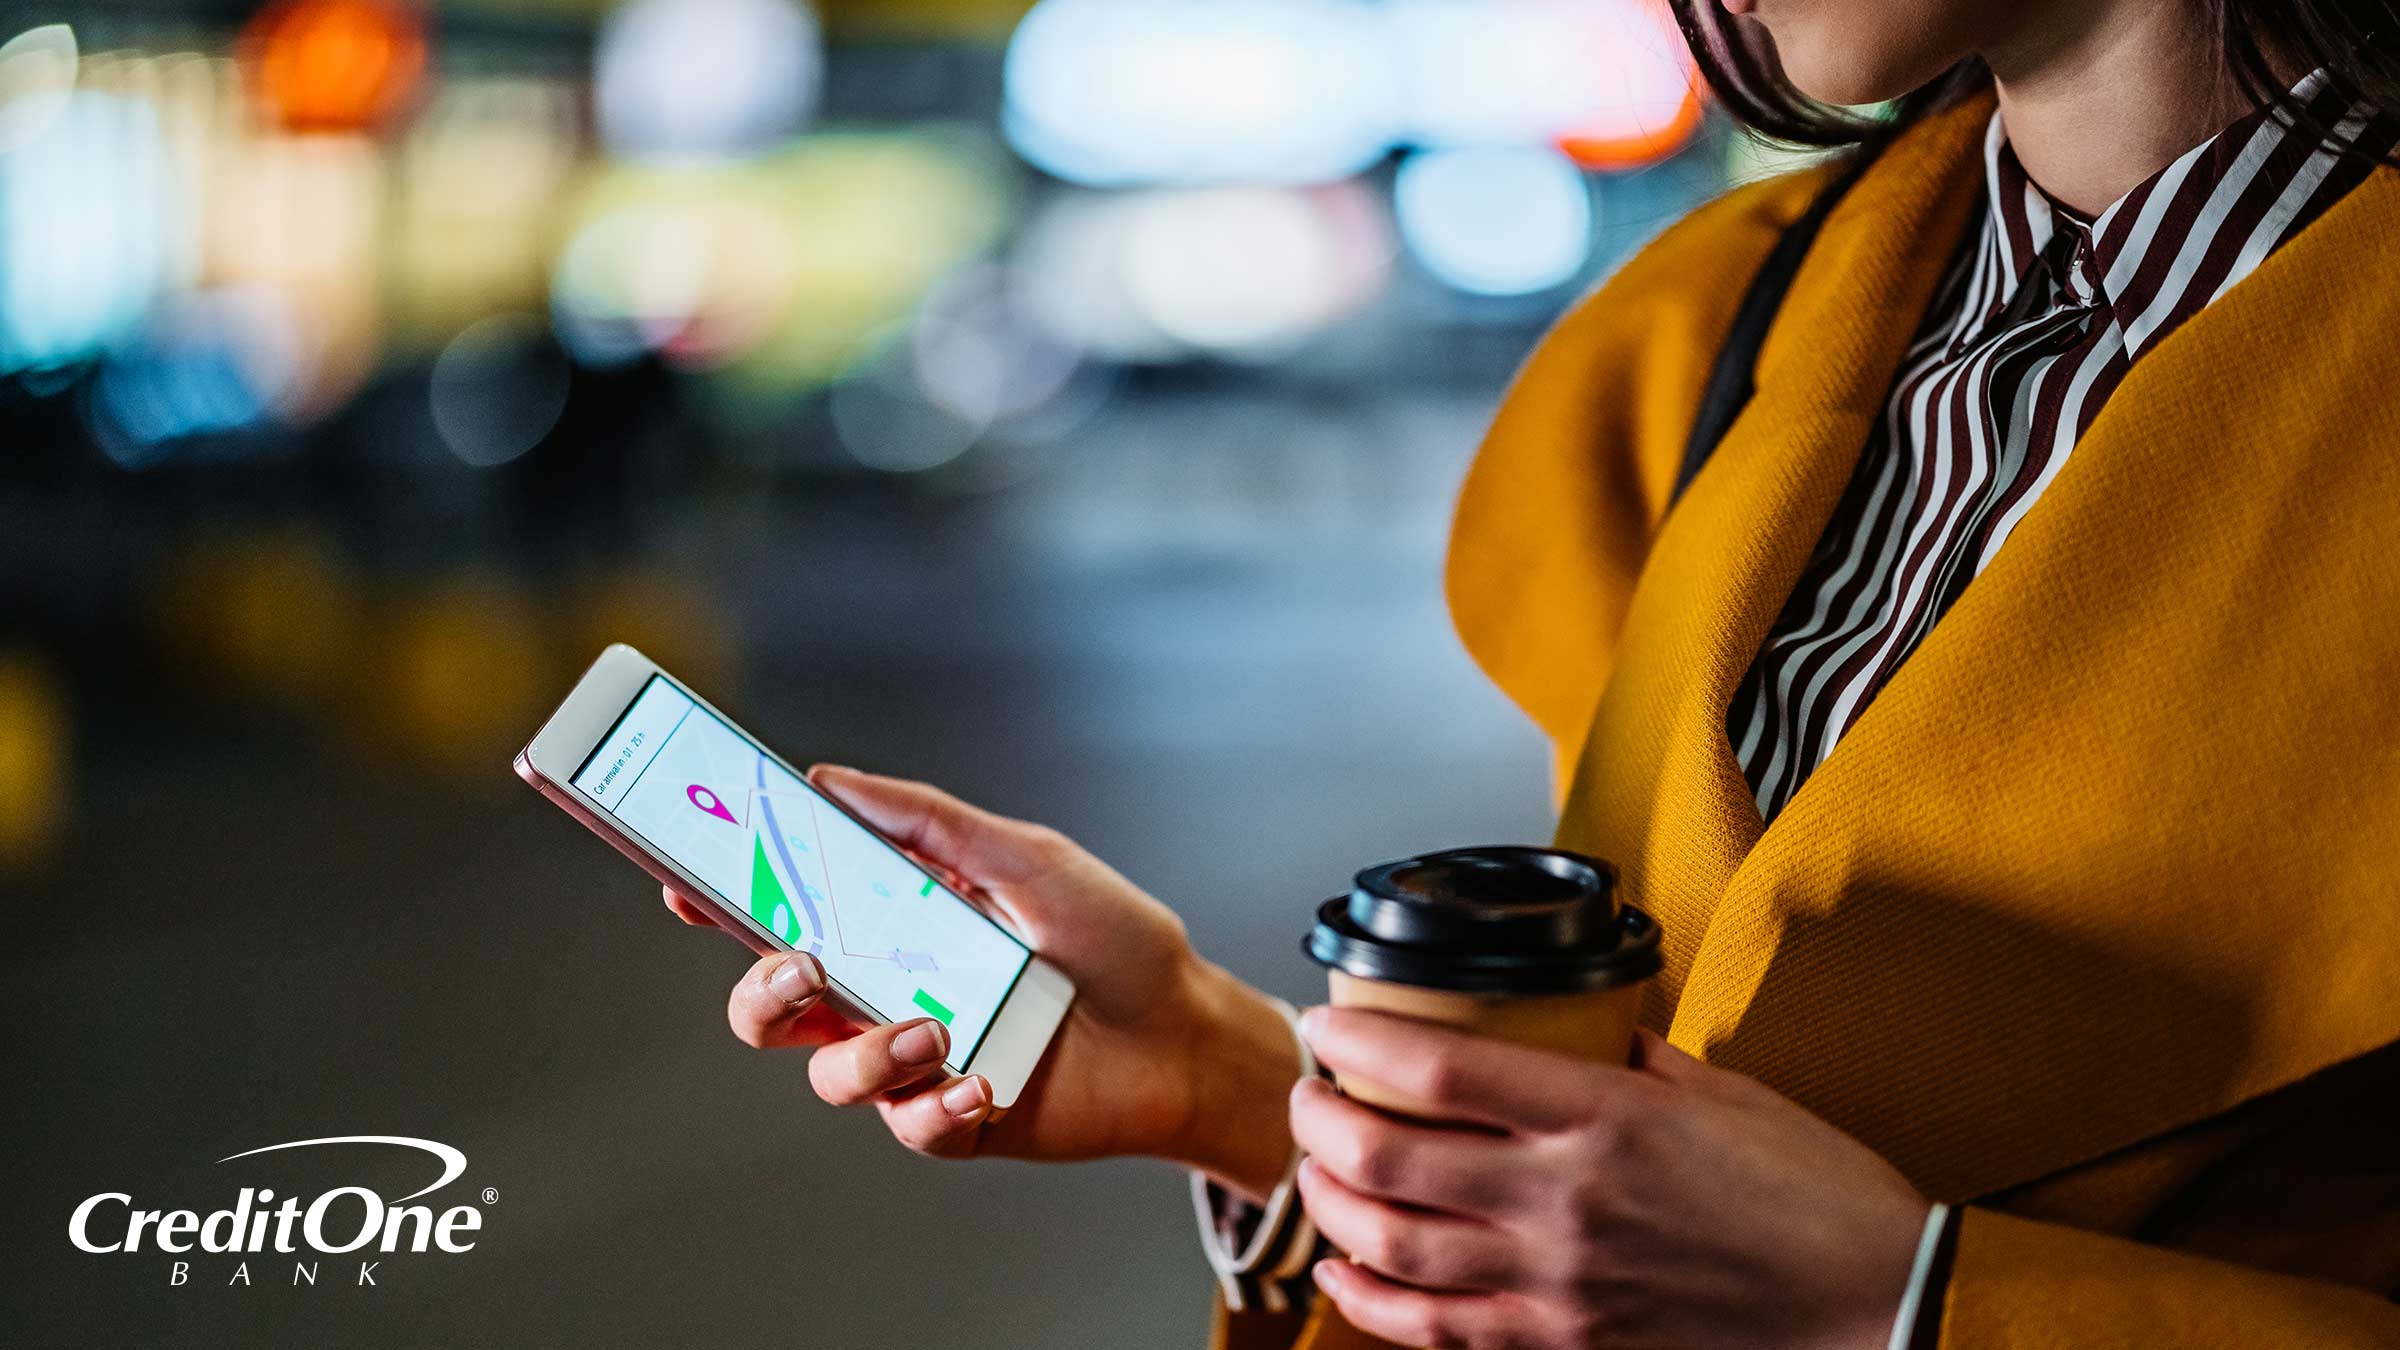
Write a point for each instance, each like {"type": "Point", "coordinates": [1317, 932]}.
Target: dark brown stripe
{"type": "Point", "coordinates": [2230, 235]}
{"type": "Point", "coordinates": [2020, 371]}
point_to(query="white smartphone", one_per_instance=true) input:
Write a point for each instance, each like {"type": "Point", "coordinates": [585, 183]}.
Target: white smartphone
{"type": "Point", "coordinates": [701, 805]}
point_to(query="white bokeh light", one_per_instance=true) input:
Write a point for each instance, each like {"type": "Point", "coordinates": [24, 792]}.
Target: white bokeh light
{"type": "Point", "coordinates": [697, 79]}
{"type": "Point", "coordinates": [1105, 92]}
{"type": "Point", "coordinates": [1163, 273]}
{"type": "Point", "coordinates": [497, 389]}
{"type": "Point", "coordinates": [1538, 72]}
{"type": "Point", "coordinates": [37, 72]}
{"type": "Point", "coordinates": [1495, 220]}
{"type": "Point", "coordinates": [86, 209]}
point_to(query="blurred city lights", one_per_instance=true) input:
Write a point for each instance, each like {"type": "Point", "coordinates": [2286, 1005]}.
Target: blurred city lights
{"type": "Point", "coordinates": [705, 78]}
{"type": "Point", "coordinates": [208, 362]}
{"type": "Point", "coordinates": [335, 65]}
{"type": "Point", "coordinates": [1495, 220]}
{"type": "Point", "coordinates": [301, 217]}
{"type": "Point", "coordinates": [778, 271]}
{"type": "Point", "coordinates": [1609, 81]}
{"type": "Point", "coordinates": [624, 286]}
{"type": "Point", "coordinates": [1233, 270]}
{"type": "Point", "coordinates": [229, 243]}
{"type": "Point", "coordinates": [886, 423]}
{"type": "Point", "coordinates": [1155, 275]}
{"type": "Point", "coordinates": [1303, 91]}
{"type": "Point", "coordinates": [462, 666]}
{"type": "Point", "coordinates": [34, 758]}
{"type": "Point", "coordinates": [979, 356]}
{"type": "Point", "coordinates": [477, 188]}
{"type": "Point", "coordinates": [697, 276]}
{"type": "Point", "coordinates": [674, 618]}
{"type": "Point", "coordinates": [85, 206]}
{"type": "Point", "coordinates": [976, 365]}
{"type": "Point", "coordinates": [1265, 91]}
{"type": "Point", "coordinates": [1070, 264]}
{"type": "Point", "coordinates": [37, 72]}
{"type": "Point", "coordinates": [274, 615]}
{"type": "Point", "coordinates": [498, 389]}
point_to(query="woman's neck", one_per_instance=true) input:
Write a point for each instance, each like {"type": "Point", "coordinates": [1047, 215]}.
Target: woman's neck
{"type": "Point", "coordinates": [2105, 93]}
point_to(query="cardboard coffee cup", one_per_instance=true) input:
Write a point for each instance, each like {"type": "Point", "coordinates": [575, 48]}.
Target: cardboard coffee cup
{"type": "Point", "coordinates": [1527, 945]}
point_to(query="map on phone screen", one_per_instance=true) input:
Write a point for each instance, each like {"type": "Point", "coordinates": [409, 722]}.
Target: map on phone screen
{"type": "Point", "coordinates": [699, 791]}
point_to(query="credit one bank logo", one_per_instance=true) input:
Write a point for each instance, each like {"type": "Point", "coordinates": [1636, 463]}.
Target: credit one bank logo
{"type": "Point", "coordinates": [346, 1221]}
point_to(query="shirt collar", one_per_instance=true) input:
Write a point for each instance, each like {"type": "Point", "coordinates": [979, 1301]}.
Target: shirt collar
{"type": "Point", "coordinates": [2100, 259]}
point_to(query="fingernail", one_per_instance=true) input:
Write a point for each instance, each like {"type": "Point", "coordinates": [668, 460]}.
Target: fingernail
{"type": "Point", "coordinates": [964, 1098]}
{"type": "Point", "coordinates": [920, 1044]}
{"type": "Point", "coordinates": [1304, 1087]}
{"type": "Point", "coordinates": [1322, 1273]}
{"type": "Point", "coordinates": [1312, 1022]}
{"type": "Point", "coordinates": [797, 980]}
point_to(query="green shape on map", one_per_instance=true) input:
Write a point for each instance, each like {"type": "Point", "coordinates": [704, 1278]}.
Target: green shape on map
{"type": "Point", "coordinates": [768, 904]}
{"type": "Point", "coordinates": [933, 1005]}
{"type": "Point", "coordinates": [927, 888]}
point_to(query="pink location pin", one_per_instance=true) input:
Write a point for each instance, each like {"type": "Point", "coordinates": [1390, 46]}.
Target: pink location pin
{"type": "Point", "coordinates": [707, 801]}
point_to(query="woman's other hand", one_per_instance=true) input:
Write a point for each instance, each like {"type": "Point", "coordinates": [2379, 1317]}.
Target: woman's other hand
{"type": "Point", "coordinates": [1567, 1203]}
{"type": "Point", "coordinates": [1162, 1053]}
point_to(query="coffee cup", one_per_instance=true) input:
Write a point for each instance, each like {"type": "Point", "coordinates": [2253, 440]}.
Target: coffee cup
{"type": "Point", "coordinates": [1527, 945]}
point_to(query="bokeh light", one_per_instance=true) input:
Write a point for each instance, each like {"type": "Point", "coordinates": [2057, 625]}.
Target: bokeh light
{"type": "Point", "coordinates": [208, 362]}
{"type": "Point", "coordinates": [1305, 91]}
{"type": "Point", "coordinates": [37, 72]}
{"type": "Point", "coordinates": [476, 190]}
{"type": "Point", "coordinates": [1235, 270]}
{"type": "Point", "coordinates": [275, 616]}
{"type": "Point", "coordinates": [1495, 220]}
{"type": "Point", "coordinates": [886, 423]}
{"type": "Point", "coordinates": [1265, 91]}
{"type": "Point", "coordinates": [1070, 260]}
{"type": "Point", "coordinates": [462, 667]}
{"type": "Point", "coordinates": [35, 737]}
{"type": "Point", "coordinates": [301, 217]}
{"type": "Point", "coordinates": [498, 389]}
{"type": "Point", "coordinates": [335, 65]}
{"type": "Point", "coordinates": [1153, 275]}
{"type": "Point", "coordinates": [1609, 81]}
{"type": "Point", "coordinates": [979, 356]}
{"type": "Point", "coordinates": [778, 272]}
{"type": "Point", "coordinates": [705, 78]}
{"type": "Point", "coordinates": [85, 206]}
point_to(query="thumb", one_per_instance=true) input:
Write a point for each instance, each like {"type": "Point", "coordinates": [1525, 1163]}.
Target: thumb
{"type": "Point", "coordinates": [982, 848]}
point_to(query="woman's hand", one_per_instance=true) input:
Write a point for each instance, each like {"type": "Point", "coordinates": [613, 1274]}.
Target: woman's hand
{"type": "Point", "coordinates": [1162, 1053]}
{"type": "Point", "coordinates": [1566, 1203]}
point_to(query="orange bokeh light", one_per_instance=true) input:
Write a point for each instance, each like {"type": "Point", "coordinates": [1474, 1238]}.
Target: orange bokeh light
{"type": "Point", "coordinates": [1627, 151]}
{"type": "Point", "coordinates": [334, 65]}
{"type": "Point", "coordinates": [1648, 96]}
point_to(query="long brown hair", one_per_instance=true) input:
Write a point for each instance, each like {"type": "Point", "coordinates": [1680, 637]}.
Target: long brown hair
{"type": "Point", "coordinates": [2356, 42]}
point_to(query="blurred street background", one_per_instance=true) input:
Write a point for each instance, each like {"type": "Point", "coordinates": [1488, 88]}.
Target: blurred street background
{"type": "Point", "coordinates": [1062, 403]}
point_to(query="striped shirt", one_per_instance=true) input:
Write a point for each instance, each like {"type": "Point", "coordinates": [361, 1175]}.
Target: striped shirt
{"type": "Point", "coordinates": [2033, 326]}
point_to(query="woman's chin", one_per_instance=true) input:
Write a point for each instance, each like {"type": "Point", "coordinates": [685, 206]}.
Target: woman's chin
{"type": "Point", "coordinates": [1840, 78]}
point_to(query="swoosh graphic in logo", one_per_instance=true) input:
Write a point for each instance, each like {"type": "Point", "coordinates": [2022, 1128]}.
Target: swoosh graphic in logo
{"type": "Point", "coordinates": [453, 1161]}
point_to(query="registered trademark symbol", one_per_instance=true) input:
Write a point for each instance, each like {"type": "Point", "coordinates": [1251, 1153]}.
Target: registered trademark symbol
{"type": "Point", "coordinates": [490, 1195]}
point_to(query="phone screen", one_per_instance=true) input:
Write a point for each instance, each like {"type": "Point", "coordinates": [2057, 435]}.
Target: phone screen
{"type": "Point", "coordinates": [697, 789]}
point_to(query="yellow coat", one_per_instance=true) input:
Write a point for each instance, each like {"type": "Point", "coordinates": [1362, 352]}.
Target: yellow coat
{"type": "Point", "coordinates": [2092, 920]}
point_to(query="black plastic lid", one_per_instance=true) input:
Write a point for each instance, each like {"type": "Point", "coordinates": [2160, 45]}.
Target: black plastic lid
{"type": "Point", "coordinates": [1493, 920]}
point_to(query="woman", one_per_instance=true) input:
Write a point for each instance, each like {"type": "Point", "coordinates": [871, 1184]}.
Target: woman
{"type": "Point", "coordinates": [2000, 725]}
